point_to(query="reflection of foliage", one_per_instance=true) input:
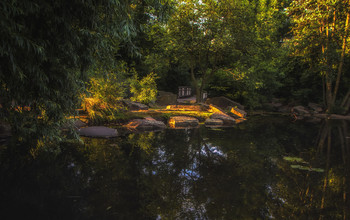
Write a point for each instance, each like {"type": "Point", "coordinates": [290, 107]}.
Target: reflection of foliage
{"type": "Point", "coordinates": [294, 159]}
{"type": "Point", "coordinates": [144, 141]}
{"type": "Point", "coordinates": [300, 167]}
{"type": "Point", "coordinates": [305, 165]}
{"type": "Point", "coordinates": [234, 173]}
{"type": "Point", "coordinates": [301, 193]}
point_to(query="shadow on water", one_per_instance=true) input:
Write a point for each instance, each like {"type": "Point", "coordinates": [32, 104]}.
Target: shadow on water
{"type": "Point", "coordinates": [263, 168]}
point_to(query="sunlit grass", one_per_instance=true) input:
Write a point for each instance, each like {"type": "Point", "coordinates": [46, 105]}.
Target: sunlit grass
{"type": "Point", "coordinates": [166, 114]}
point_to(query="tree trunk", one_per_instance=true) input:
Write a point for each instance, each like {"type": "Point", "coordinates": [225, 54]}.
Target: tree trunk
{"type": "Point", "coordinates": [345, 100]}
{"type": "Point", "coordinates": [341, 62]}
{"type": "Point", "coordinates": [329, 93]}
{"type": "Point", "coordinates": [325, 182]}
{"type": "Point", "coordinates": [204, 81]}
{"type": "Point", "coordinates": [327, 83]}
{"type": "Point", "coordinates": [194, 84]}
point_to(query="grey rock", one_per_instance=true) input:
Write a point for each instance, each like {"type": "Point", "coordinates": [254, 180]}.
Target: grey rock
{"type": "Point", "coordinates": [166, 98]}
{"type": "Point", "coordinates": [147, 124]}
{"type": "Point", "coordinates": [98, 131]}
{"type": "Point", "coordinates": [223, 102]}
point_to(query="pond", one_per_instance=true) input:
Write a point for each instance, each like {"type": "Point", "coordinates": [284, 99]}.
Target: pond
{"type": "Point", "coordinates": [264, 168]}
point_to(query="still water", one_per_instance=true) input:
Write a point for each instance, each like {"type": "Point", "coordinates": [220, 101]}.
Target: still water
{"type": "Point", "coordinates": [264, 168]}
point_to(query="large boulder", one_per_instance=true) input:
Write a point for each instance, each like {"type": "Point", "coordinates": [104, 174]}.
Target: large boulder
{"type": "Point", "coordinates": [147, 124]}
{"type": "Point", "coordinates": [135, 106]}
{"type": "Point", "coordinates": [98, 131]}
{"type": "Point", "coordinates": [223, 102]}
{"type": "Point", "coordinates": [227, 120]}
{"type": "Point", "coordinates": [183, 122]}
{"type": "Point", "coordinates": [166, 98]}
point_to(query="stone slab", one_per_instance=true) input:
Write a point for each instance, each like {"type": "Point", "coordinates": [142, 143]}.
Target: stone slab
{"type": "Point", "coordinates": [147, 124]}
{"type": "Point", "coordinates": [223, 102]}
{"type": "Point", "coordinates": [183, 122]}
{"type": "Point", "coordinates": [238, 112]}
{"type": "Point", "coordinates": [98, 131]}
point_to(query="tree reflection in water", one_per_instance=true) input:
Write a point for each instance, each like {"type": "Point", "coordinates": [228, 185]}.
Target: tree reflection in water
{"type": "Point", "coordinates": [313, 192]}
{"type": "Point", "coordinates": [263, 168]}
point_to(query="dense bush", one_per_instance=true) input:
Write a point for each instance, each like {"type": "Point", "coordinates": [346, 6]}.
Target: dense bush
{"type": "Point", "coordinates": [145, 89]}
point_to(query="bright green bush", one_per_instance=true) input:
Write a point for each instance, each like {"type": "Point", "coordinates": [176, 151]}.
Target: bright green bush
{"type": "Point", "coordinates": [106, 90]}
{"type": "Point", "coordinates": [144, 90]}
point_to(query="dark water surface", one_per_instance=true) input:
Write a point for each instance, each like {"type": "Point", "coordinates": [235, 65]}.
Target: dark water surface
{"type": "Point", "coordinates": [264, 168]}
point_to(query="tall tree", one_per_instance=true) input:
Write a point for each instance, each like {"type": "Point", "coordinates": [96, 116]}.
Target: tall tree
{"type": "Point", "coordinates": [206, 34]}
{"type": "Point", "coordinates": [45, 49]}
{"type": "Point", "coordinates": [321, 32]}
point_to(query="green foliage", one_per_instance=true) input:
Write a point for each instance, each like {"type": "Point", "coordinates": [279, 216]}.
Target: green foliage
{"type": "Point", "coordinates": [205, 35]}
{"type": "Point", "coordinates": [145, 89]}
{"type": "Point", "coordinates": [320, 36]}
{"type": "Point", "coordinates": [110, 84]}
{"type": "Point", "coordinates": [46, 48]}
{"type": "Point", "coordinates": [203, 39]}
{"type": "Point", "coordinates": [107, 87]}
{"type": "Point", "coordinates": [250, 85]}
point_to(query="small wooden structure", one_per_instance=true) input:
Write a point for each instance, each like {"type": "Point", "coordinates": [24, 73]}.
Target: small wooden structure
{"type": "Point", "coordinates": [184, 91]}
{"type": "Point", "coordinates": [204, 95]}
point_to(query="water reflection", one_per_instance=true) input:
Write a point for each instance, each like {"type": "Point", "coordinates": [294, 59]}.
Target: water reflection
{"type": "Point", "coordinates": [303, 190]}
{"type": "Point", "coordinates": [264, 168]}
